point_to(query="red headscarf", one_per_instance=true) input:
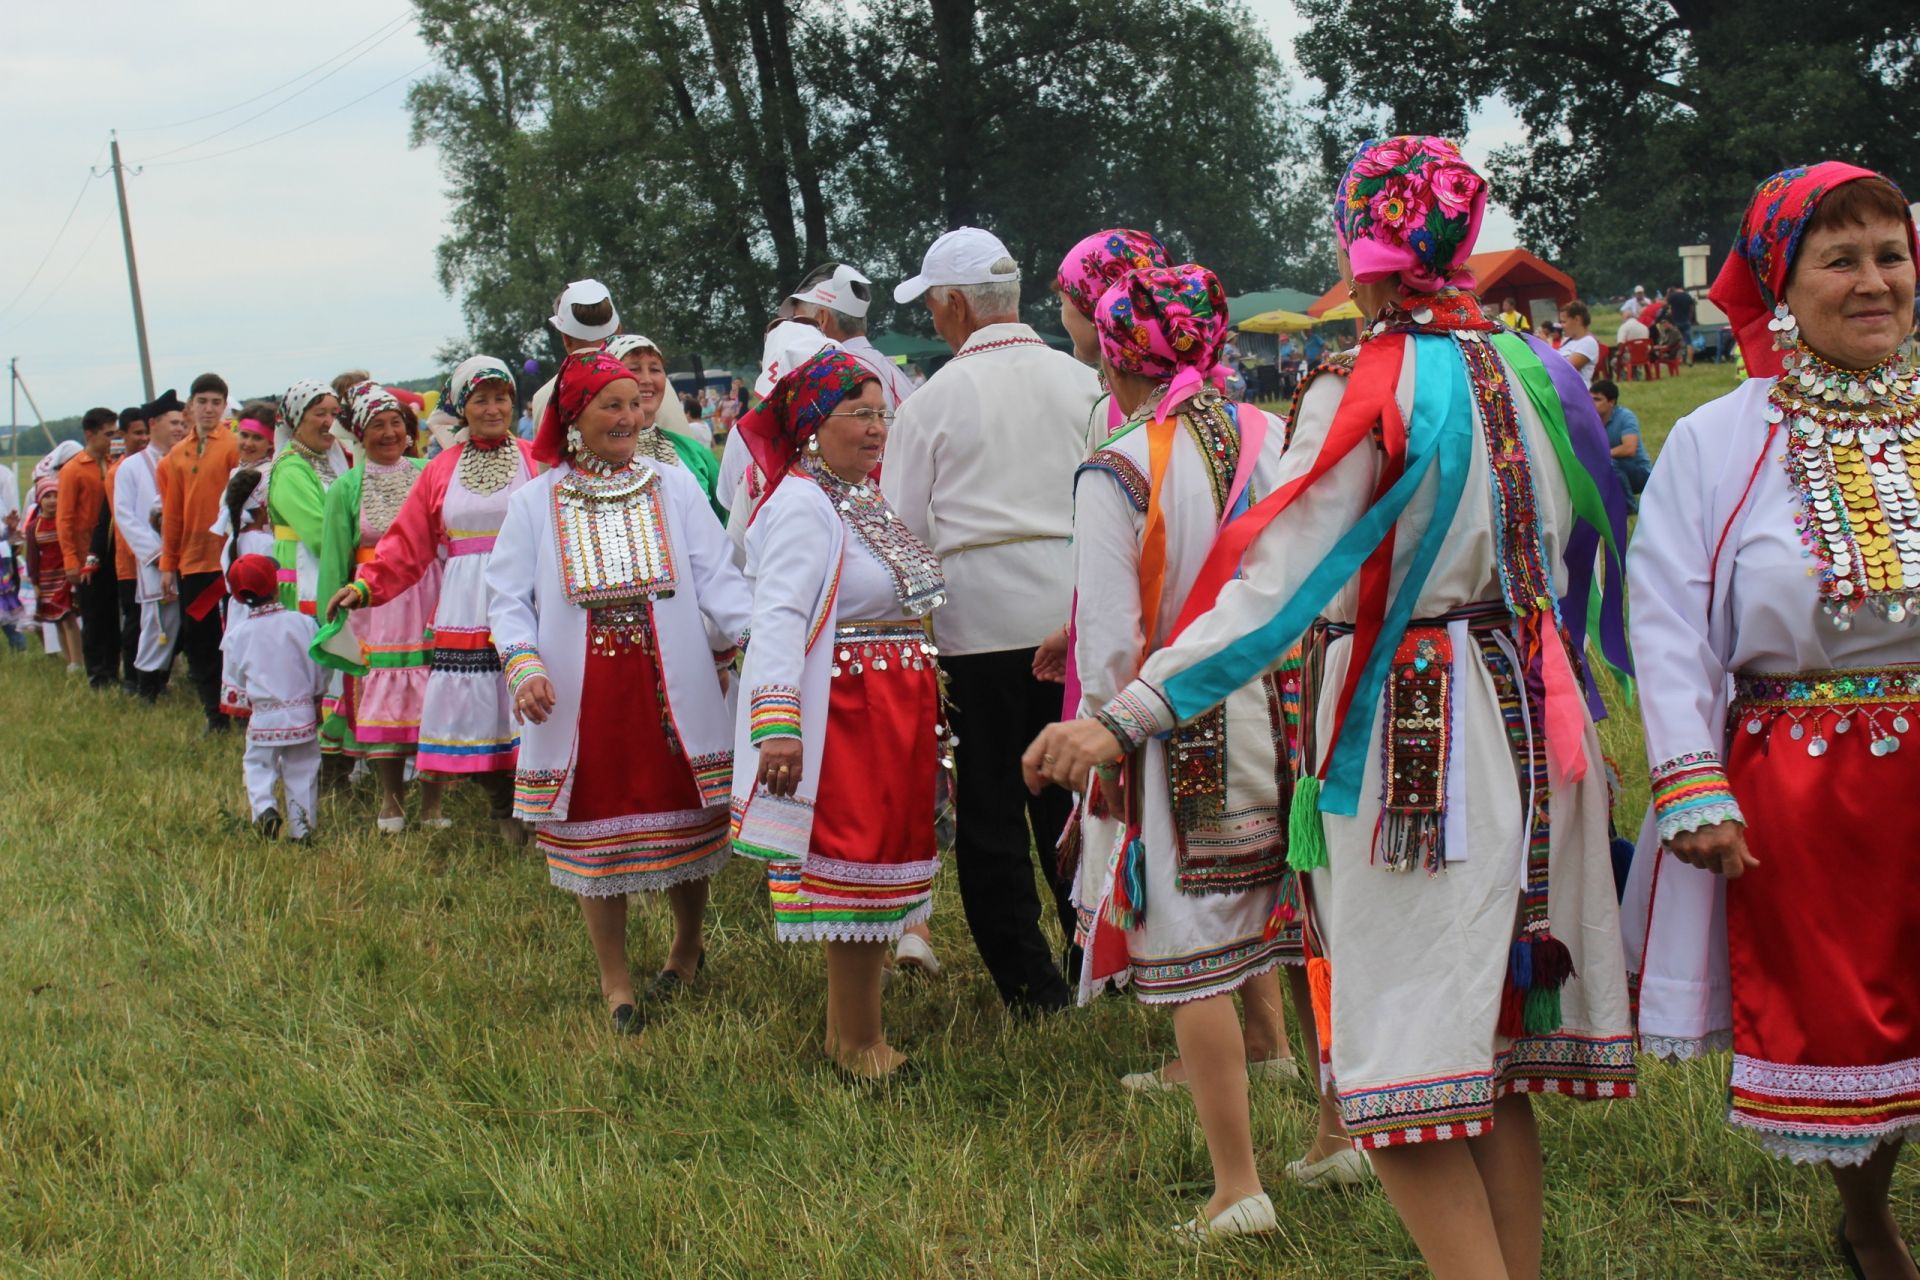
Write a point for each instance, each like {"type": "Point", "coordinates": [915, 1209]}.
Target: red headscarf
{"type": "Point", "coordinates": [779, 428]}
{"type": "Point", "coordinates": [582, 376]}
{"type": "Point", "coordinates": [1753, 280]}
{"type": "Point", "coordinates": [254, 578]}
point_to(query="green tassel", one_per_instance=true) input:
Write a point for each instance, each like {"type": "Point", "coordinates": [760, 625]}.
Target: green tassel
{"type": "Point", "coordinates": [1543, 1011]}
{"type": "Point", "coordinates": [1306, 837]}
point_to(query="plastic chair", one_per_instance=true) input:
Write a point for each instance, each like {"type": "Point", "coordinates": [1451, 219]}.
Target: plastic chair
{"type": "Point", "coordinates": [1639, 358]}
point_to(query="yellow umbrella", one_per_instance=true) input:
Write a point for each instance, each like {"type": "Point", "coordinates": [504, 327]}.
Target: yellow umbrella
{"type": "Point", "coordinates": [1277, 322]}
{"type": "Point", "coordinates": [1348, 310]}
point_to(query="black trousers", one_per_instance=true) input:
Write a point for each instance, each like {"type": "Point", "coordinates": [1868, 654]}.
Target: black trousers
{"type": "Point", "coordinates": [99, 601]}
{"type": "Point", "coordinates": [200, 642]}
{"type": "Point", "coordinates": [127, 589]}
{"type": "Point", "coordinates": [998, 708]}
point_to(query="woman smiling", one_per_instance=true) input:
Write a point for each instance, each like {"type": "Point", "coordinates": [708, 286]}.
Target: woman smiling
{"type": "Point", "coordinates": [616, 611]}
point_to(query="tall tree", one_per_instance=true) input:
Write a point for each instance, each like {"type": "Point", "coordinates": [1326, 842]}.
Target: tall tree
{"type": "Point", "coordinates": [1648, 122]}
{"type": "Point", "coordinates": [699, 155]}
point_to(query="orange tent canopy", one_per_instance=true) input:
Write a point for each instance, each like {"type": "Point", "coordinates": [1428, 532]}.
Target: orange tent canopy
{"type": "Point", "coordinates": [1504, 273]}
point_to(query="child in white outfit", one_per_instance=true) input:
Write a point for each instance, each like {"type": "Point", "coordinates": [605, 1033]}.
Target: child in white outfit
{"type": "Point", "coordinates": [267, 661]}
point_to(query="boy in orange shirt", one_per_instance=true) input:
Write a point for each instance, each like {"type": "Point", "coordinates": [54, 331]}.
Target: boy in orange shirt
{"type": "Point", "coordinates": [84, 525]}
{"type": "Point", "coordinates": [193, 481]}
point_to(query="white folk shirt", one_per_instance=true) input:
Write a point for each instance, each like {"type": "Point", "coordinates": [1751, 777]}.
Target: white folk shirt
{"type": "Point", "coordinates": [893, 380]}
{"type": "Point", "coordinates": [980, 467]}
{"type": "Point", "coordinates": [266, 658]}
{"type": "Point", "coordinates": [136, 494]}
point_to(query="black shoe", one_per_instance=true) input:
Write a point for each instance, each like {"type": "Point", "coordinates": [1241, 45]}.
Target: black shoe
{"type": "Point", "coordinates": [627, 1020]}
{"type": "Point", "coordinates": [667, 984]}
{"type": "Point", "coordinates": [268, 823]}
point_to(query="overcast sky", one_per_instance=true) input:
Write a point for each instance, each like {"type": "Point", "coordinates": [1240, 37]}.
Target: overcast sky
{"type": "Point", "coordinates": [249, 264]}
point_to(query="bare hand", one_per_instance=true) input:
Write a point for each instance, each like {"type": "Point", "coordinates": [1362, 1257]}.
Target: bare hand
{"type": "Point", "coordinates": [75, 577]}
{"type": "Point", "coordinates": [533, 702]}
{"type": "Point", "coordinates": [1721, 849]}
{"type": "Point", "coordinates": [1065, 753]}
{"type": "Point", "coordinates": [780, 765]}
{"type": "Point", "coordinates": [344, 598]}
{"type": "Point", "coordinates": [169, 587]}
{"type": "Point", "coordinates": [1050, 659]}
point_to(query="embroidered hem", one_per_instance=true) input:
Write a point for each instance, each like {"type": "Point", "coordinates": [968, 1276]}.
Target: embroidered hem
{"type": "Point", "coordinates": [1461, 1106]}
{"type": "Point", "coordinates": [1826, 1115]}
{"type": "Point", "coordinates": [1685, 1048]}
{"type": "Point", "coordinates": [703, 867]}
{"type": "Point", "coordinates": [1798, 1149]}
{"type": "Point", "coordinates": [818, 930]}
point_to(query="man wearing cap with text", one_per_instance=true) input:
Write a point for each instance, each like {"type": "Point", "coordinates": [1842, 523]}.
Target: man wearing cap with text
{"type": "Point", "coordinates": [980, 466]}
{"type": "Point", "coordinates": [836, 297]}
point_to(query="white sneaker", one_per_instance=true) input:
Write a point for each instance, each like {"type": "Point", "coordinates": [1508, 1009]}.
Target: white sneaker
{"type": "Point", "coordinates": [1341, 1169]}
{"type": "Point", "coordinates": [912, 952]}
{"type": "Point", "coordinates": [436, 824]}
{"type": "Point", "coordinates": [1250, 1217]}
{"type": "Point", "coordinates": [1154, 1082]}
{"type": "Point", "coordinates": [391, 826]}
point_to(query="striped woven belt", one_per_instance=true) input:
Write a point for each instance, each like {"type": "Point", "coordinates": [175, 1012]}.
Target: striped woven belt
{"type": "Point", "coordinates": [1482, 615]}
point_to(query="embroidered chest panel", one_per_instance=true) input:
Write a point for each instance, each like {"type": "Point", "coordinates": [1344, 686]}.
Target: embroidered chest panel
{"type": "Point", "coordinates": [612, 537]}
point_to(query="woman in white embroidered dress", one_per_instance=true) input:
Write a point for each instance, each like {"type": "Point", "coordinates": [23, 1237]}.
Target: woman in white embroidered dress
{"type": "Point", "coordinates": [451, 518]}
{"type": "Point", "coordinates": [1183, 856]}
{"type": "Point", "coordinates": [1461, 888]}
{"type": "Point", "coordinates": [617, 609]}
{"type": "Point", "coordinates": [837, 747]}
{"type": "Point", "coordinates": [1778, 556]}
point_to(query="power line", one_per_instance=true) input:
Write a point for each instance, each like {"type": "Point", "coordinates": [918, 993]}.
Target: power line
{"type": "Point", "coordinates": [54, 292]}
{"type": "Point", "coordinates": [240, 124]}
{"type": "Point", "coordinates": [181, 124]}
{"type": "Point", "coordinates": [261, 142]}
{"type": "Point", "coordinates": [48, 255]}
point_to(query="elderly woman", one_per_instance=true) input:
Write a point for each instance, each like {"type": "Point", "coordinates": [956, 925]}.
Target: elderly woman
{"type": "Point", "coordinates": [840, 676]}
{"type": "Point", "coordinates": [1777, 900]}
{"type": "Point", "coordinates": [663, 435]}
{"type": "Point", "coordinates": [616, 610]}
{"type": "Point", "coordinates": [1183, 851]}
{"type": "Point", "coordinates": [1459, 908]}
{"type": "Point", "coordinates": [449, 522]}
{"type": "Point", "coordinates": [385, 653]}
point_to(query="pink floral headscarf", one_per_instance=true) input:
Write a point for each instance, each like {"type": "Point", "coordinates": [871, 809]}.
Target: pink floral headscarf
{"type": "Point", "coordinates": [1092, 266]}
{"type": "Point", "coordinates": [1166, 323]}
{"type": "Point", "coordinates": [1410, 206]}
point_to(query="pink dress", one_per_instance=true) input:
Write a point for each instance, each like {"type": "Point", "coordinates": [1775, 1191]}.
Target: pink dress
{"type": "Point", "coordinates": [384, 705]}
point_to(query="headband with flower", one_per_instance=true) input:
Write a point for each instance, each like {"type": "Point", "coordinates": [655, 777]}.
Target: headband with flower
{"type": "Point", "coordinates": [779, 428]}
{"type": "Point", "coordinates": [1168, 324]}
{"type": "Point", "coordinates": [1410, 206]}
{"type": "Point", "coordinates": [1753, 280]}
{"type": "Point", "coordinates": [1092, 266]}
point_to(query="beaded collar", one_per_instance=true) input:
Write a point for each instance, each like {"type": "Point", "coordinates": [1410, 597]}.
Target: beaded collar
{"type": "Point", "coordinates": [917, 581]}
{"type": "Point", "coordinates": [321, 460]}
{"type": "Point", "coordinates": [612, 531]}
{"type": "Point", "coordinates": [1853, 455]}
{"type": "Point", "coordinates": [383, 489]}
{"type": "Point", "coordinates": [488, 466]}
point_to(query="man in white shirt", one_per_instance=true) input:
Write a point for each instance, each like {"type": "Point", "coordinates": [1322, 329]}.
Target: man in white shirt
{"type": "Point", "coordinates": [1633, 306]}
{"type": "Point", "coordinates": [1631, 330]}
{"type": "Point", "coordinates": [836, 297]}
{"type": "Point", "coordinates": [980, 466]}
{"type": "Point", "coordinates": [136, 500]}
{"type": "Point", "coordinates": [1581, 348]}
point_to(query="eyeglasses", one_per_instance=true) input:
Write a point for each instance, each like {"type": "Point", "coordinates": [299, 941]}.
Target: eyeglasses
{"type": "Point", "coordinates": [867, 417]}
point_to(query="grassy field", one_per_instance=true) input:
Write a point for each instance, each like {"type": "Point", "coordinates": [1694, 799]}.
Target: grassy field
{"type": "Point", "coordinates": [387, 1057]}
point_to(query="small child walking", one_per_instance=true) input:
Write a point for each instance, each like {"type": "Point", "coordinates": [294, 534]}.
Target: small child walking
{"type": "Point", "coordinates": [267, 661]}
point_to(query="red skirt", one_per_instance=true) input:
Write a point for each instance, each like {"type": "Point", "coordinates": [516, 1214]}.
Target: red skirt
{"type": "Point", "coordinates": [1820, 936]}
{"type": "Point", "coordinates": [869, 871]}
{"type": "Point", "coordinates": [635, 820]}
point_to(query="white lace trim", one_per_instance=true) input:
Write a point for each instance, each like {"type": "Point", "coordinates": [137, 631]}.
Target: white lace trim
{"type": "Point", "coordinates": [1681, 821]}
{"type": "Point", "coordinates": [1822, 1084]}
{"type": "Point", "coordinates": [846, 931]}
{"type": "Point", "coordinates": [1803, 1150]}
{"type": "Point", "coordinates": [1685, 1048]}
{"type": "Point", "coordinates": [639, 881]}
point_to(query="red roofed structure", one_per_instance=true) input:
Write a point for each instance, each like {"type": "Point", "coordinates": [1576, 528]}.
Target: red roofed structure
{"type": "Point", "coordinates": [1505, 273]}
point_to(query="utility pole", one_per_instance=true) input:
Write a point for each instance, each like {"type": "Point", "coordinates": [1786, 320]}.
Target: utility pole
{"type": "Point", "coordinates": [133, 272]}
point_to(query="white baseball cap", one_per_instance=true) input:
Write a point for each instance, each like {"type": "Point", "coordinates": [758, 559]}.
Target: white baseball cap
{"type": "Point", "coordinates": [790, 344]}
{"type": "Point", "coordinates": [965, 255]}
{"type": "Point", "coordinates": [837, 292]}
{"type": "Point", "coordinates": [584, 293]}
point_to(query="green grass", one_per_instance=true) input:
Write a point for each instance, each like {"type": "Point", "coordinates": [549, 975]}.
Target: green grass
{"type": "Point", "coordinates": [377, 1057]}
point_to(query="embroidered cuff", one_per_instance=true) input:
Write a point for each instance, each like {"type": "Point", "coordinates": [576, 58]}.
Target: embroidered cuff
{"type": "Point", "coordinates": [521, 663]}
{"type": "Point", "coordinates": [1691, 792]}
{"type": "Point", "coordinates": [1136, 713]}
{"type": "Point", "coordinates": [775, 713]}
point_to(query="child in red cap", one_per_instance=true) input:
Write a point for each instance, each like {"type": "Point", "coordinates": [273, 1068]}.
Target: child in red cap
{"type": "Point", "coordinates": [267, 661]}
